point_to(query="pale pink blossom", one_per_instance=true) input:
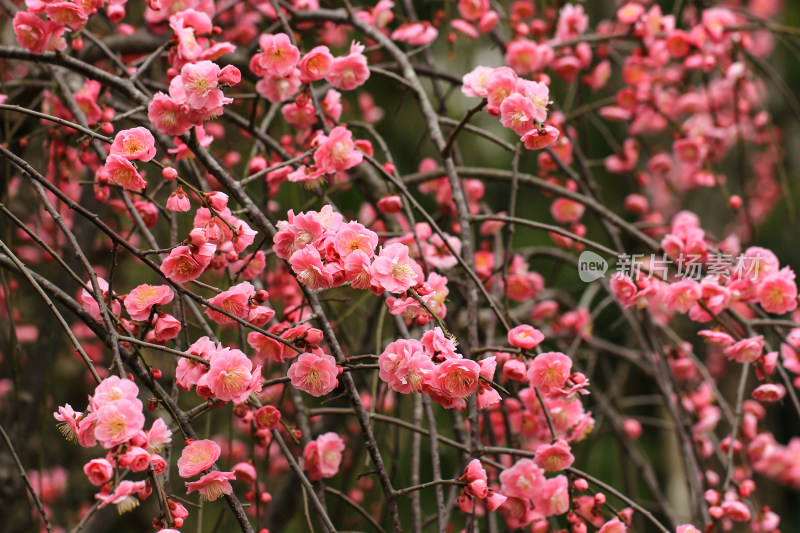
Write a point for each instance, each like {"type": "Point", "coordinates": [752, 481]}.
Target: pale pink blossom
{"type": "Point", "coordinates": [212, 485]}
{"type": "Point", "coordinates": [474, 82]}
{"type": "Point", "coordinates": [572, 22]}
{"type": "Point", "coordinates": [157, 436]}
{"type": "Point", "coordinates": [394, 270]}
{"type": "Point", "coordinates": [307, 266]}
{"type": "Point", "coordinates": [90, 305]}
{"type": "Point", "coordinates": [527, 57]}
{"type": "Point", "coordinates": [123, 496]}
{"type": "Point", "coordinates": [231, 376]}
{"type": "Point", "coordinates": [554, 457]}
{"type": "Point", "coordinates": [501, 83]}
{"type": "Point", "coordinates": [316, 374]}
{"type": "Point", "coordinates": [315, 64]}
{"type": "Point", "coordinates": [137, 143]}
{"type": "Point", "coordinates": [682, 295]}
{"type": "Point", "coordinates": [178, 201]}
{"type": "Point", "coordinates": [353, 236]}
{"type": "Point", "coordinates": [415, 33]}
{"type": "Point", "coordinates": [348, 72]}
{"type": "Point", "coordinates": [200, 83]}
{"type": "Point", "coordinates": [111, 389]}
{"type": "Point", "coordinates": [337, 151]}
{"type": "Point", "coordinates": [624, 289]}
{"type": "Point", "coordinates": [549, 370]}
{"type": "Point", "coordinates": [553, 499]}
{"type": "Point", "coordinates": [123, 173]}
{"type": "Point", "coordinates": [198, 456]}
{"type": "Point", "coordinates": [615, 525]}
{"type": "Point", "coordinates": [235, 301]}
{"type": "Point", "coordinates": [746, 350]}
{"type": "Point", "coordinates": [777, 291]}
{"type": "Point", "coordinates": [118, 421]}
{"type": "Point", "coordinates": [277, 89]}
{"type": "Point", "coordinates": [517, 112]}
{"type": "Point", "coordinates": [523, 480]}
{"type": "Point", "coordinates": [68, 422]}
{"type": "Point", "coordinates": [141, 300]}
{"type": "Point", "coordinates": [630, 13]}
{"type": "Point", "coordinates": [437, 345]}
{"type": "Point", "coordinates": [405, 366]}
{"type": "Point", "coordinates": [769, 392]}
{"type": "Point", "coordinates": [185, 264]}
{"type": "Point", "coordinates": [189, 371]}
{"type": "Point", "coordinates": [357, 269]}
{"type": "Point", "coordinates": [322, 456]}
{"type": "Point", "coordinates": [278, 56]}
{"type": "Point", "coordinates": [167, 115]}
{"type": "Point", "coordinates": [525, 336]}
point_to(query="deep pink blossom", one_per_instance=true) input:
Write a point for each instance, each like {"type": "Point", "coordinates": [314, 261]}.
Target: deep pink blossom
{"type": "Point", "coordinates": [185, 264]}
{"type": "Point", "coordinates": [99, 471]}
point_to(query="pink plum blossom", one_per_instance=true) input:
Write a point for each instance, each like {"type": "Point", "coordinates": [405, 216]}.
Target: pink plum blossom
{"type": "Point", "coordinates": [322, 456]}
{"type": "Point", "coordinates": [212, 485]}
{"type": "Point", "coordinates": [394, 270]}
{"type": "Point", "coordinates": [549, 370]}
{"type": "Point", "coordinates": [141, 300]}
{"type": "Point", "coordinates": [198, 456]}
{"type": "Point", "coordinates": [137, 143]}
{"type": "Point", "coordinates": [316, 374]}
{"type": "Point", "coordinates": [405, 366]}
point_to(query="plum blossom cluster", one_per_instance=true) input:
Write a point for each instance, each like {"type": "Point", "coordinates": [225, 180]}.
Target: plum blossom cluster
{"type": "Point", "coordinates": [520, 103]}
{"type": "Point", "coordinates": [433, 367]}
{"type": "Point", "coordinates": [198, 457]}
{"type": "Point", "coordinates": [324, 251]}
{"type": "Point", "coordinates": [114, 419]}
{"type": "Point", "coordinates": [195, 96]}
{"type": "Point", "coordinates": [706, 124]}
{"type": "Point", "coordinates": [218, 372]}
{"type": "Point", "coordinates": [282, 69]}
{"type": "Point", "coordinates": [195, 87]}
{"type": "Point", "coordinates": [754, 278]}
{"type": "Point", "coordinates": [215, 242]}
{"type": "Point", "coordinates": [689, 101]}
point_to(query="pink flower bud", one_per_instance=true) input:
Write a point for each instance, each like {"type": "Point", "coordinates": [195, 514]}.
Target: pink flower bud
{"type": "Point", "coordinates": [169, 173]}
{"type": "Point", "coordinates": [229, 75]}
{"type": "Point", "coordinates": [390, 205]}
